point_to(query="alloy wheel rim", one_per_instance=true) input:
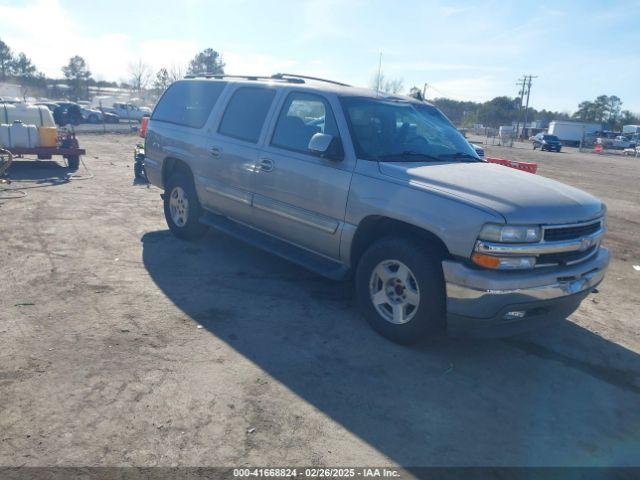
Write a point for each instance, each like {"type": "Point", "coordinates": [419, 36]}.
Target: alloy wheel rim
{"type": "Point", "coordinates": [179, 206]}
{"type": "Point", "coordinates": [394, 291]}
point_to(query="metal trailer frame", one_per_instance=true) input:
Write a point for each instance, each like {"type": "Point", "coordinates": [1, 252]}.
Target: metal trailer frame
{"type": "Point", "coordinates": [68, 147]}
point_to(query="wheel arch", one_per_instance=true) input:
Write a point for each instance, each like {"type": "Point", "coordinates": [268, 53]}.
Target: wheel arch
{"type": "Point", "coordinates": [172, 164]}
{"type": "Point", "coordinates": [375, 227]}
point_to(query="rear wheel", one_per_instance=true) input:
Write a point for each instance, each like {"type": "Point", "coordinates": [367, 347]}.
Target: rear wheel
{"type": "Point", "coordinates": [182, 209]}
{"type": "Point", "coordinates": [74, 162]}
{"type": "Point", "coordinates": [400, 289]}
{"type": "Point", "coordinates": [138, 171]}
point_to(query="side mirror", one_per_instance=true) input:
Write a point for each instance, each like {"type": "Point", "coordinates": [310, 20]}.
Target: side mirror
{"type": "Point", "coordinates": [326, 146]}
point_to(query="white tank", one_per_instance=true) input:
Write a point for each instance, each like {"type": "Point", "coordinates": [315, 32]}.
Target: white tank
{"type": "Point", "coordinates": [4, 136]}
{"type": "Point", "coordinates": [22, 136]}
{"type": "Point", "coordinates": [38, 115]}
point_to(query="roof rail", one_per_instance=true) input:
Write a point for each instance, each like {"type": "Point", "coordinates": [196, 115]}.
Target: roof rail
{"type": "Point", "coordinates": [285, 76]}
{"type": "Point", "coordinates": [220, 76]}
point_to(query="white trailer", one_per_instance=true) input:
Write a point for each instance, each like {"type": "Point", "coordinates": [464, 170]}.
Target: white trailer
{"type": "Point", "coordinates": [572, 133]}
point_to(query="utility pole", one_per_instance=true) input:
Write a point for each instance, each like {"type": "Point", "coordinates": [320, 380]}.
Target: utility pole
{"type": "Point", "coordinates": [379, 70]}
{"type": "Point", "coordinates": [521, 83]}
{"type": "Point", "coordinates": [526, 108]}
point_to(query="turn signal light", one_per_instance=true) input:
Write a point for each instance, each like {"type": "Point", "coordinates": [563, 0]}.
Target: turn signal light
{"type": "Point", "coordinates": [486, 261]}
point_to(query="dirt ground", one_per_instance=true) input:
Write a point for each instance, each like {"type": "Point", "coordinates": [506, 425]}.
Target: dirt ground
{"type": "Point", "coordinates": [122, 345]}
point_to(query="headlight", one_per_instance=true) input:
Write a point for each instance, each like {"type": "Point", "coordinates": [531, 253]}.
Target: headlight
{"type": "Point", "coordinates": [510, 233]}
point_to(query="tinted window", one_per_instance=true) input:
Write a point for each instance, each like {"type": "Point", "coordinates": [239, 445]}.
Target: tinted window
{"type": "Point", "coordinates": [188, 103]}
{"type": "Point", "coordinates": [302, 116]}
{"type": "Point", "coordinates": [246, 112]}
{"type": "Point", "coordinates": [390, 130]}
{"type": "Point", "coordinates": [550, 137]}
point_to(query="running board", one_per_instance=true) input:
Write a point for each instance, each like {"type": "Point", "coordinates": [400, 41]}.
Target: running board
{"type": "Point", "coordinates": [309, 260]}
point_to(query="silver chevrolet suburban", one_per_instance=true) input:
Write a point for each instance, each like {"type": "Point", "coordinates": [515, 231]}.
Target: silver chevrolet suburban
{"type": "Point", "coordinates": [346, 181]}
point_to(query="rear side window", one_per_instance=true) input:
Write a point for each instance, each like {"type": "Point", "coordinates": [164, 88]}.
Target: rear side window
{"type": "Point", "coordinates": [188, 103]}
{"type": "Point", "coordinates": [246, 112]}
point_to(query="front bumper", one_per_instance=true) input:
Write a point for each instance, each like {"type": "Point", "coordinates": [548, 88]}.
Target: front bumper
{"type": "Point", "coordinates": [487, 298]}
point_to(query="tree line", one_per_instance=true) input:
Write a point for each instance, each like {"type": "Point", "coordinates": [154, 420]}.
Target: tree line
{"type": "Point", "coordinates": [77, 76]}
{"type": "Point", "coordinates": [504, 110]}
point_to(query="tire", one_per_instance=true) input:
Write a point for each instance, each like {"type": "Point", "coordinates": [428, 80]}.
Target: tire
{"type": "Point", "coordinates": [74, 162]}
{"type": "Point", "coordinates": [138, 171]}
{"type": "Point", "coordinates": [425, 277]}
{"type": "Point", "coordinates": [180, 196]}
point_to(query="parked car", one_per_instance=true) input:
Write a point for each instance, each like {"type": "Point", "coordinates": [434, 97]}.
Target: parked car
{"type": "Point", "coordinates": [479, 150]}
{"type": "Point", "coordinates": [110, 117]}
{"type": "Point", "coordinates": [128, 111]}
{"type": "Point", "coordinates": [346, 181]}
{"type": "Point", "coordinates": [544, 141]}
{"type": "Point", "coordinates": [621, 142]}
{"type": "Point", "coordinates": [94, 115]}
{"type": "Point", "coordinates": [67, 113]}
{"type": "Point", "coordinates": [91, 115]}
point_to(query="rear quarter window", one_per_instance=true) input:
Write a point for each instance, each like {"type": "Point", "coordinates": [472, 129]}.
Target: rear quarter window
{"type": "Point", "coordinates": [188, 103]}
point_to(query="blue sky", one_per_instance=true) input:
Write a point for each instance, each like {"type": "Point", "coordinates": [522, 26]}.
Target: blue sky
{"type": "Point", "coordinates": [463, 50]}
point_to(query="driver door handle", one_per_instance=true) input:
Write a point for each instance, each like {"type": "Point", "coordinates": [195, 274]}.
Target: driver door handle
{"type": "Point", "coordinates": [266, 164]}
{"type": "Point", "coordinates": [215, 152]}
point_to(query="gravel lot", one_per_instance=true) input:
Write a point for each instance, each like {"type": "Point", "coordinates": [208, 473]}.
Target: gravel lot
{"type": "Point", "coordinates": [103, 361]}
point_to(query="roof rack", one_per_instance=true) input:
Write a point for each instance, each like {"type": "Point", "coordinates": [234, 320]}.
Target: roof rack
{"type": "Point", "coordinates": [245, 77]}
{"type": "Point", "coordinates": [291, 76]}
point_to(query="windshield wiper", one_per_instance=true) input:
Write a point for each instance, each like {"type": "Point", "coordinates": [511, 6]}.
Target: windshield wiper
{"type": "Point", "coordinates": [408, 154]}
{"type": "Point", "coordinates": [460, 155]}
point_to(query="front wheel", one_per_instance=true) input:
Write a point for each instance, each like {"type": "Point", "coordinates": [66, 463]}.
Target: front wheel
{"type": "Point", "coordinates": [181, 207]}
{"type": "Point", "coordinates": [400, 289]}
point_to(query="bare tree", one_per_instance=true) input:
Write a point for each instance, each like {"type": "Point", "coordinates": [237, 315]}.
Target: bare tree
{"type": "Point", "coordinates": [139, 75]}
{"type": "Point", "coordinates": [388, 85]}
{"type": "Point", "coordinates": [161, 81]}
{"type": "Point", "coordinates": [176, 72]}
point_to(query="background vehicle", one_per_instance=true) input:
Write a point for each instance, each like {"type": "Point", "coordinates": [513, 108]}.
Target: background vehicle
{"type": "Point", "coordinates": [544, 141]}
{"type": "Point", "coordinates": [93, 115]}
{"type": "Point", "coordinates": [67, 113]}
{"type": "Point", "coordinates": [343, 180]}
{"type": "Point", "coordinates": [631, 130]}
{"type": "Point", "coordinates": [572, 133]}
{"type": "Point", "coordinates": [619, 142]}
{"type": "Point", "coordinates": [128, 111]}
{"type": "Point", "coordinates": [479, 150]}
{"type": "Point", "coordinates": [90, 115]}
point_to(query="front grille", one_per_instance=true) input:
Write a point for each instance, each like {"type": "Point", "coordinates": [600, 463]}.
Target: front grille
{"type": "Point", "coordinates": [565, 257]}
{"type": "Point", "coordinates": [552, 234]}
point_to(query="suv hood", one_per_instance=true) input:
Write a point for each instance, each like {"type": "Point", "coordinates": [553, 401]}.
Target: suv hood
{"type": "Point", "coordinates": [520, 197]}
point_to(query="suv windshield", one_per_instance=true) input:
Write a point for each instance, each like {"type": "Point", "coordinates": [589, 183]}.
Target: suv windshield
{"type": "Point", "coordinates": [391, 130]}
{"type": "Point", "coordinates": [551, 138]}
